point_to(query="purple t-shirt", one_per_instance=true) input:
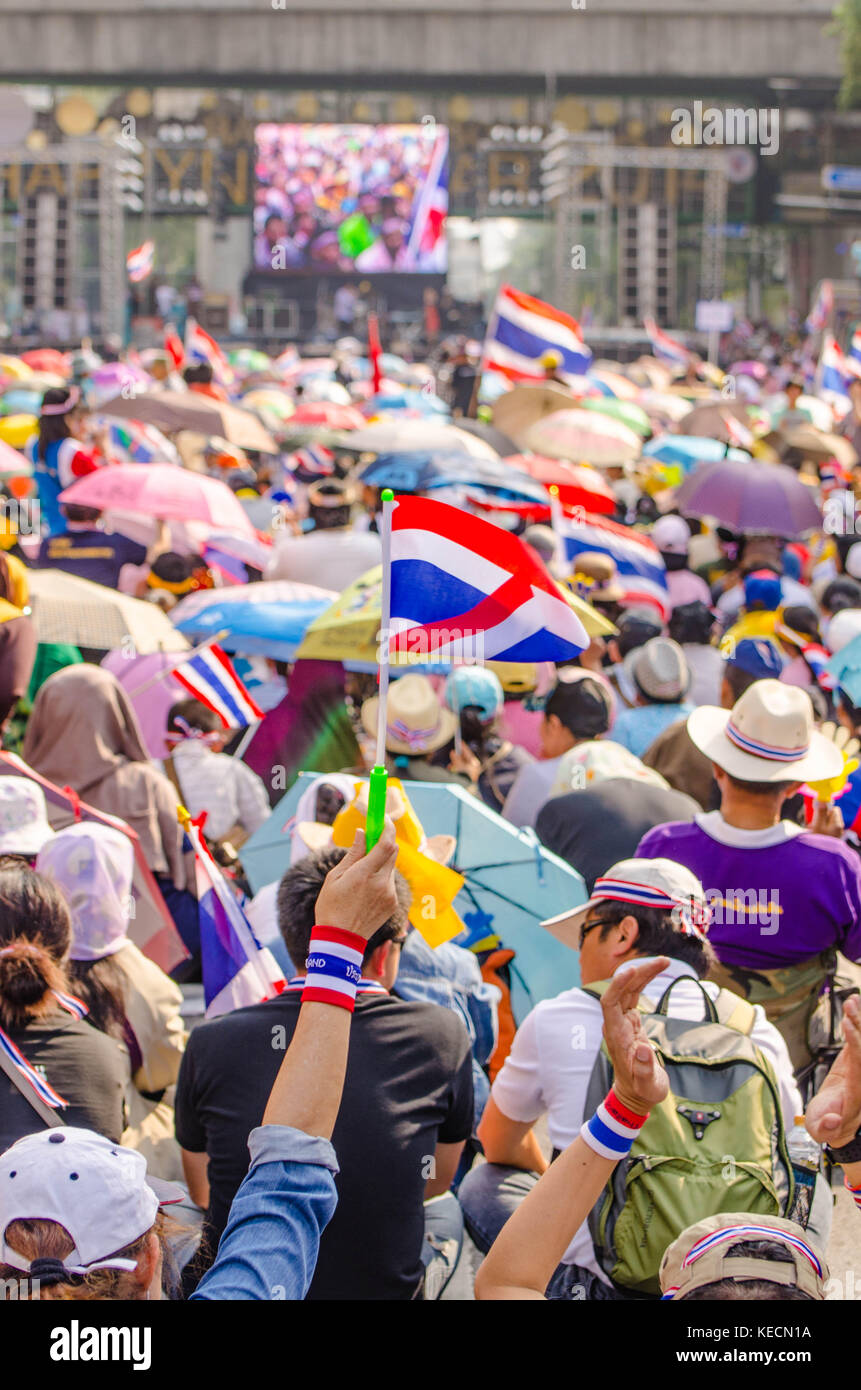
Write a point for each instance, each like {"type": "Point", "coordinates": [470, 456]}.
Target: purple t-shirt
{"type": "Point", "coordinates": [772, 905]}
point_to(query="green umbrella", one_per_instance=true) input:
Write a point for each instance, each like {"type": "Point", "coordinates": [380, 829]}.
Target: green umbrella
{"type": "Point", "coordinates": [631, 415]}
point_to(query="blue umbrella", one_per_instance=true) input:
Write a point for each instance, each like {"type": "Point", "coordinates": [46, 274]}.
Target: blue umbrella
{"type": "Point", "coordinates": [424, 472]}
{"type": "Point", "coordinates": [688, 450]}
{"type": "Point", "coordinates": [425, 401]}
{"type": "Point", "coordinates": [267, 619]}
{"type": "Point", "coordinates": [21, 401]}
{"type": "Point", "coordinates": [512, 882]}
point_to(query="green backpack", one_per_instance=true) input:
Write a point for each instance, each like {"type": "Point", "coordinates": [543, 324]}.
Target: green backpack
{"type": "Point", "coordinates": [715, 1144]}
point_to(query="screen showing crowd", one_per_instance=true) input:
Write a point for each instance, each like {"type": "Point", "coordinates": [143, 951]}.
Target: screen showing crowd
{"type": "Point", "coordinates": [351, 198]}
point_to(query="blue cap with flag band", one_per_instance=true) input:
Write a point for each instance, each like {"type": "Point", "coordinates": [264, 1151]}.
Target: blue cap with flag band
{"type": "Point", "coordinates": [758, 657]}
{"type": "Point", "coordinates": [477, 687]}
{"type": "Point", "coordinates": [762, 590]}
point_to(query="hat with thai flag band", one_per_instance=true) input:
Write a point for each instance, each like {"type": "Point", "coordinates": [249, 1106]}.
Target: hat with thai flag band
{"type": "Point", "coordinates": [659, 883]}
{"type": "Point", "coordinates": [703, 1254]}
{"type": "Point", "coordinates": [767, 736]}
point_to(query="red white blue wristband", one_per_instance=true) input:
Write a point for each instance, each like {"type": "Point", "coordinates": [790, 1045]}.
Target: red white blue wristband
{"type": "Point", "coordinates": [856, 1192]}
{"type": "Point", "coordinates": [613, 1128]}
{"type": "Point", "coordinates": [334, 967]}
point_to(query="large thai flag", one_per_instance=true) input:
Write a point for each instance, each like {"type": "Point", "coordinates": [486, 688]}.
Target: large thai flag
{"type": "Point", "coordinates": [522, 329]}
{"type": "Point", "coordinates": [820, 311]}
{"type": "Point", "coordinates": [200, 347]}
{"type": "Point", "coordinates": [237, 970]}
{"type": "Point", "coordinates": [665, 348]}
{"type": "Point", "coordinates": [638, 561]}
{"type": "Point", "coordinates": [834, 376]}
{"type": "Point", "coordinates": [428, 227]}
{"type": "Point", "coordinates": [209, 676]}
{"type": "Point", "coordinates": [455, 576]}
{"type": "Point", "coordinates": [140, 261]}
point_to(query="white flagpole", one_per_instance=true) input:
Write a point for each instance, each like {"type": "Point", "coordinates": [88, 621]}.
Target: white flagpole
{"type": "Point", "coordinates": [377, 785]}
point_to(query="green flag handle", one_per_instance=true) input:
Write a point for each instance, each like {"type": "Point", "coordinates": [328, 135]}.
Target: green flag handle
{"type": "Point", "coordinates": [376, 807]}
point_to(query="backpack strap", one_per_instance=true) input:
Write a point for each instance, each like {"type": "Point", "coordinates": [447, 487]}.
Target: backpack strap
{"type": "Point", "coordinates": [735, 1012]}
{"type": "Point", "coordinates": [664, 1002]}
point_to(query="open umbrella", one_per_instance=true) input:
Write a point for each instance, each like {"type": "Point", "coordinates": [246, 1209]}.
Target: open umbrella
{"type": "Point", "coordinates": [266, 619]}
{"type": "Point", "coordinates": [21, 400]}
{"type": "Point", "coordinates": [415, 436]}
{"type": "Point", "coordinates": [190, 410]}
{"type": "Point", "coordinates": [583, 436]}
{"type": "Point", "coordinates": [630, 414]}
{"type": "Point", "coordinates": [162, 491]}
{"type": "Point", "coordinates": [689, 450]}
{"type": "Point", "coordinates": [328, 416]}
{"type": "Point", "coordinates": [14, 368]}
{"type": "Point", "coordinates": [13, 464]}
{"type": "Point", "coordinates": [710, 419]}
{"type": "Point", "coordinates": [490, 434]}
{"type": "Point", "coordinates": [47, 360]}
{"type": "Point", "coordinates": [424, 472]}
{"type": "Point", "coordinates": [512, 882]}
{"type": "Point", "coordinates": [134, 442]}
{"type": "Point", "coordinates": [17, 429]}
{"type": "Point", "coordinates": [620, 386]}
{"type": "Point", "coordinates": [751, 498]}
{"type": "Point", "coordinates": [68, 609]}
{"type": "Point", "coordinates": [521, 407]}
{"type": "Point", "coordinates": [663, 404]}
{"type": "Point", "coordinates": [577, 486]}
{"type": "Point", "coordinates": [404, 398]}
{"type": "Point", "coordinates": [817, 444]}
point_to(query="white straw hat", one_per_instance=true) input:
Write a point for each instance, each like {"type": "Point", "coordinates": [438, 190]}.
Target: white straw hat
{"type": "Point", "coordinates": [416, 722]}
{"type": "Point", "coordinates": [767, 736]}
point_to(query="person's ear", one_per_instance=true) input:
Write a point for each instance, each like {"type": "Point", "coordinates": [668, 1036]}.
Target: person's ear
{"type": "Point", "coordinates": [628, 932]}
{"type": "Point", "coordinates": [719, 776]}
{"type": "Point", "coordinates": [793, 790]}
{"type": "Point", "coordinates": [376, 966]}
{"type": "Point", "coordinates": [148, 1262]}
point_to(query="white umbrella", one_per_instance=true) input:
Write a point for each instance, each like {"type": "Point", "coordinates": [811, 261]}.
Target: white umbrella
{"type": "Point", "coordinates": [584, 436]}
{"type": "Point", "coordinates": [65, 608]}
{"type": "Point", "coordinates": [416, 437]}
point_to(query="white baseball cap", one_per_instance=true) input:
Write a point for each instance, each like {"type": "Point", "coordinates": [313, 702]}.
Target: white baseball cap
{"type": "Point", "coordinates": [672, 535]}
{"type": "Point", "coordinates": [97, 1190]}
{"type": "Point", "coordinates": [24, 827]}
{"type": "Point", "coordinates": [767, 736]}
{"type": "Point", "coordinates": [657, 883]}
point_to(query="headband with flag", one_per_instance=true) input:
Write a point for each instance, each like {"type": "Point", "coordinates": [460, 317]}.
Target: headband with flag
{"type": "Point", "coordinates": [693, 918]}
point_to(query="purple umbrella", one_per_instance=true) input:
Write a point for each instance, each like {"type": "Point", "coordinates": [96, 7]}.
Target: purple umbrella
{"type": "Point", "coordinates": [752, 497]}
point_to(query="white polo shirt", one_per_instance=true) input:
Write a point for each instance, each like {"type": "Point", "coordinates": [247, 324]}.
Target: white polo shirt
{"type": "Point", "coordinates": [554, 1051]}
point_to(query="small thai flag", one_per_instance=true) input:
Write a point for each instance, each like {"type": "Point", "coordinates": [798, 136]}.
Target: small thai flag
{"type": "Point", "coordinates": [522, 329]}
{"type": "Point", "coordinates": [140, 261]}
{"type": "Point", "coordinates": [237, 970]}
{"type": "Point", "coordinates": [665, 348]}
{"type": "Point", "coordinates": [310, 463]}
{"type": "Point", "coordinates": [834, 377]}
{"type": "Point", "coordinates": [200, 347]}
{"type": "Point", "coordinates": [209, 676]}
{"type": "Point", "coordinates": [638, 561]}
{"type": "Point", "coordinates": [738, 432]}
{"type": "Point", "coordinates": [820, 311]}
{"type": "Point", "coordinates": [455, 576]}
{"type": "Point", "coordinates": [174, 348]}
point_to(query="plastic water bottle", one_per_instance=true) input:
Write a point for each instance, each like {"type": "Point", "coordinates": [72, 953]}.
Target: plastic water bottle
{"type": "Point", "coordinates": [804, 1155]}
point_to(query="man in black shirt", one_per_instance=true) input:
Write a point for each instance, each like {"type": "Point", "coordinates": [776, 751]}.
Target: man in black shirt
{"type": "Point", "coordinates": [406, 1112]}
{"type": "Point", "coordinates": [88, 552]}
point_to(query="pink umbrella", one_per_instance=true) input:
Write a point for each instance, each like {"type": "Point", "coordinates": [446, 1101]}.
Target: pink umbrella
{"type": "Point", "coordinates": [161, 491]}
{"type": "Point", "coordinates": [328, 415]}
{"type": "Point", "coordinates": [15, 465]}
{"type": "Point", "coordinates": [757, 370]}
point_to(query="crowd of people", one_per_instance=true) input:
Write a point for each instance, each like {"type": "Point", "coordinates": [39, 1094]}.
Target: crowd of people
{"type": "Point", "coordinates": [386, 1107]}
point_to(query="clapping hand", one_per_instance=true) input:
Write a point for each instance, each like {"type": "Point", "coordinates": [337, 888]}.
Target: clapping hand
{"type": "Point", "coordinates": [639, 1079]}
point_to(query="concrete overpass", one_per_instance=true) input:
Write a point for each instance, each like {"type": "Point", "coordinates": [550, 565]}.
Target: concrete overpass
{"type": "Point", "coordinates": [583, 45]}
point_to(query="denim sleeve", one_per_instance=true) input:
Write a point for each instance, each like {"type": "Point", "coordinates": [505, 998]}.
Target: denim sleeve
{"type": "Point", "coordinates": [272, 1238]}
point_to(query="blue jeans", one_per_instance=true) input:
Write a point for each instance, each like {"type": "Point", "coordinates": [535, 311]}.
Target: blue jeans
{"type": "Point", "coordinates": [491, 1193]}
{"type": "Point", "coordinates": [443, 1242]}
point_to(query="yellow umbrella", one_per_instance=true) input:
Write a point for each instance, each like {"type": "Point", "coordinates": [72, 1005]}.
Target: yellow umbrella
{"type": "Point", "coordinates": [14, 367]}
{"type": "Point", "coordinates": [17, 429]}
{"type": "Point", "coordinates": [349, 630]}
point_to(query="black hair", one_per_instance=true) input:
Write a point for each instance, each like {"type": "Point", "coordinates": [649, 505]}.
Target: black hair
{"type": "Point", "coordinates": [53, 428]}
{"type": "Point", "coordinates": [198, 715]}
{"type": "Point", "coordinates": [802, 619]}
{"type": "Point", "coordinates": [75, 512]}
{"type": "Point", "coordinates": [635, 631]}
{"type": "Point", "coordinates": [738, 679]}
{"type": "Point", "coordinates": [198, 374]}
{"type": "Point", "coordinates": [101, 985]}
{"type": "Point", "coordinates": [35, 934]}
{"type": "Point", "coordinates": [673, 562]}
{"type": "Point", "coordinates": [841, 593]}
{"type": "Point", "coordinates": [731, 1288]}
{"type": "Point", "coordinates": [582, 706]}
{"type": "Point", "coordinates": [691, 623]}
{"type": "Point", "coordinates": [854, 711]}
{"type": "Point", "coordinates": [297, 897]}
{"type": "Point", "coordinates": [658, 935]}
